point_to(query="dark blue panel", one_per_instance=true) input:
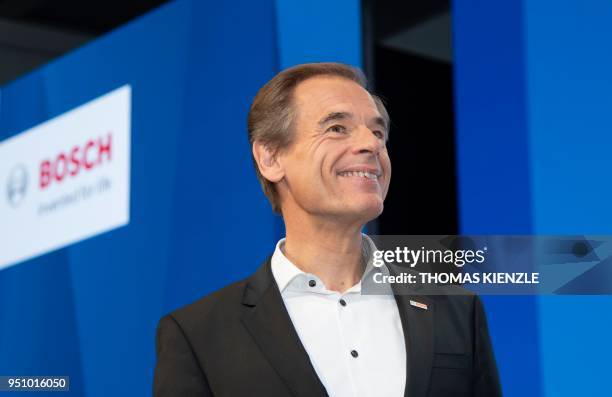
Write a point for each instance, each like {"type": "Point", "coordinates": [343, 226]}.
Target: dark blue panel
{"type": "Point", "coordinates": [22, 105]}
{"type": "Point", "coordinates": [38, 330]}
{"type": "Point", "coordinates": [493, 165]}
{"type": "Point", "coordinates": [492, 151]}
{"type": "Point", "coordinates": [319, 31]}
{"type": "Point", "coordinates": [222, 227]}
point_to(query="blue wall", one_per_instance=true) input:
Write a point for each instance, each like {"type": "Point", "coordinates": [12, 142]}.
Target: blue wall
{"type": "Point", "coordinates": [569, 81]}
{"type": "Point", "coordinates": [532, 91]}
{"type": "Point", "coordinates": [533, 85]}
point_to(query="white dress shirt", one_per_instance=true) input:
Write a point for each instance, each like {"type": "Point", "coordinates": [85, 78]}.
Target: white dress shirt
{"type": "Point", "coordinates": [355, 342]}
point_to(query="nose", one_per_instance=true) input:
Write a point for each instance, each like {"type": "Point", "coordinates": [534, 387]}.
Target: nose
{"type": "Point", "coordinates": [368, 142]}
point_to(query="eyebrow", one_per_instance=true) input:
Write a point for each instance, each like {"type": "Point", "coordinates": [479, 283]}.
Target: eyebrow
{"type": "Point", "coordinates": [337, 116]}
{"type": "Point", "coordinates": [381, 122]}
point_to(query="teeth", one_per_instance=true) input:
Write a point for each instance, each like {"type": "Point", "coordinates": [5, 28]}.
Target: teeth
{"type": "Point", "coordinates": [361, 174]}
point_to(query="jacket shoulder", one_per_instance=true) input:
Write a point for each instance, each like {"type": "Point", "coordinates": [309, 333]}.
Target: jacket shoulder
{"type": "Point", "coordinates": [224, 304]}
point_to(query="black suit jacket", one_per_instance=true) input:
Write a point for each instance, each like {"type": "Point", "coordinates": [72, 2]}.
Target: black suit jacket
{"type": "Point", "coordinates": [239, 341]}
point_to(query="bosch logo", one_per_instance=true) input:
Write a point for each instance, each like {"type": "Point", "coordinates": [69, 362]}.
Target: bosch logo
{"type": "Point", "coordinates": [91, 154]}
{"type": "Point", "coordinates": [17, 185]}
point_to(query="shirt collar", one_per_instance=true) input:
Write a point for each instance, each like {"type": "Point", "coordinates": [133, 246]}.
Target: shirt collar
{"type": "Point", "coordinates": [284, 271]}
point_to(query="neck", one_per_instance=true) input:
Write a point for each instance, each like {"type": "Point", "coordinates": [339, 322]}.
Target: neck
{"type": "Point", "coordinates": [326, 248]}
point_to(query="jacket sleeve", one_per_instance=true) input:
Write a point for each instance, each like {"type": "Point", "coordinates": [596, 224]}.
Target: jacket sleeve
{"type": "Point", "coordinates": [177, 372]}
{"type": "Point", "coordinates": [486, 379]}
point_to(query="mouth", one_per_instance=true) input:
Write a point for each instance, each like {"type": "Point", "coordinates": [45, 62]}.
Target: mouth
{"type": "Point", "coordinates": [361, 173]}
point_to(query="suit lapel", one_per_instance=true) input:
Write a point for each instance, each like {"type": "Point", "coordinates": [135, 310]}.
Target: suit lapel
{"type": "Point", "coordinates": [418, 327]}
{"type": "Point", "coordinates": [269, 324]}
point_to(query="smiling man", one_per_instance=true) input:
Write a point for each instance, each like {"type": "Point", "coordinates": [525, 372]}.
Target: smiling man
{"type": "Point", "coordinates": [300, 325]}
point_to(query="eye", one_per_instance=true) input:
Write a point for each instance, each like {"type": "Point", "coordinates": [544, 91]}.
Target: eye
{"type": "Point", "coordinates": [337, 128]}
{"type": "Point", "coordinates": [379, 134]}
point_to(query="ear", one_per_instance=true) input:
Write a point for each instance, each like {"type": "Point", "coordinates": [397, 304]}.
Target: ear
{"type": "Point", "coordinates": [267, 162]}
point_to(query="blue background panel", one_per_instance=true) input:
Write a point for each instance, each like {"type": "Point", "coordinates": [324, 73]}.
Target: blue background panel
{"type": "Point", "coordinates": [493, 166]}
{"type": "Point", "coordinates": [532, 97]}
{"type": "Point", "coordinates": [533, 85]}
{"type": "Point", "coordinates": [569, 84]}
{"type": "Point", "coordinates": [198, 218]}
{"type": "Point", "coordinates": [90, 310]}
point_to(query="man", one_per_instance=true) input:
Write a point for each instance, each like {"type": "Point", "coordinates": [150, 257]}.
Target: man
{"type": "Point", "coordinates": [300, 326]}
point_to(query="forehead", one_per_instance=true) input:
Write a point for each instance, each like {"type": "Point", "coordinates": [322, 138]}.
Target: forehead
{"type": "Point", "coordinates": [329, 93]}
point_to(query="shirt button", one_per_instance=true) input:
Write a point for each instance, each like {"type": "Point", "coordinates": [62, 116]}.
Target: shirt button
{"type": "Point", "coordinates": [354, 353]}
{"type": "Point", "coordinates": [312, 283]}
{"type": "Point", "coordinates": [342, 302]}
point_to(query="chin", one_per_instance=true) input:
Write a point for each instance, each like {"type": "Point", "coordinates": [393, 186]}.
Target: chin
{"type": "Point", "coordinates": [368, 210]}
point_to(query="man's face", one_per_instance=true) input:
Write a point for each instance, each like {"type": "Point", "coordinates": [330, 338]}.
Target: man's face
{"type": "Point", "coordinates": [338, 165]}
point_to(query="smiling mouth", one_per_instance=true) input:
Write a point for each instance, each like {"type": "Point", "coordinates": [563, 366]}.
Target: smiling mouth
{"type": "Point", "coordinates": [361, 174]}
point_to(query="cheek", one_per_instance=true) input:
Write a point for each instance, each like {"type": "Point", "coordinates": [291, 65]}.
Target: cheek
{"type": "Point", "coordinates": [327, 158]}
{"type": "Point", "coordinates": [311, 174]}
{"type": "Point", "coordinates": [386, 164]}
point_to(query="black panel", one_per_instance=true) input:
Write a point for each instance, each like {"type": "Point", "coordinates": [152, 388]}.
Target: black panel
{"type": "Point", "coordinates": [93, 17]}
{"type": "Point", "coordinates": [419, 96]}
